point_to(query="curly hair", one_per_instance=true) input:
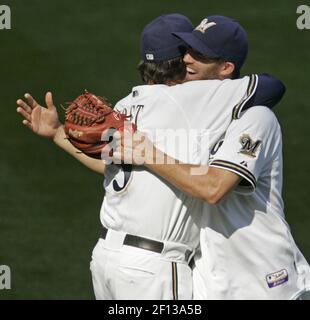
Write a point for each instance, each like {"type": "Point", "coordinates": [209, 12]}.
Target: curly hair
{"type": "Point", "coordinates": [161, 72]}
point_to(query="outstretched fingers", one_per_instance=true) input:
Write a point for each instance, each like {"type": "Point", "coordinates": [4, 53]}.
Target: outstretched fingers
{"type": "Point", "coordinates": [31, 101]}
{"type": "Point", "coordinates": [24, 113]}
{"type": "Point", "coordinates": [49, 101]}
{"type": "Point", "coordinates": [27, 124]}
{"type": "Point", "coordinates": [22, 104]}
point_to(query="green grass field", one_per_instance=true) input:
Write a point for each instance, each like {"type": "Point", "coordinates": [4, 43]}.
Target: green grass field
{"type": "Point", "coordinates": [47, 232]}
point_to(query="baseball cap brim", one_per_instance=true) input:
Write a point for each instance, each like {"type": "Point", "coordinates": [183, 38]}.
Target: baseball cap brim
{"type": "Point", "coordinates": [194, 42]}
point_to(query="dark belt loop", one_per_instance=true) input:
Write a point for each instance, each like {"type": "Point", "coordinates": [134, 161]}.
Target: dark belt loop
{"type": "Point", "coordinates": [104, 233]}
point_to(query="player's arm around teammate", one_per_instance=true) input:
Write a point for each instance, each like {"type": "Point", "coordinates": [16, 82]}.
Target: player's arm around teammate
{"type": "Point", "coordinates": [44, 121]}
{"type": "Point", "coordinates": [211, 186]}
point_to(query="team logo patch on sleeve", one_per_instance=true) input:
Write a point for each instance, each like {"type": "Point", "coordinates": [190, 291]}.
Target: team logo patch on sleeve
{"type": "Point", "coordinates": [249, 146]}
{"type": "Point", "coordinates": [277, 278]}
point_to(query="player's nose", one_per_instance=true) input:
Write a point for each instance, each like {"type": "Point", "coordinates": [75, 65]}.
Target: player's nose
{"type": "Point", "coordinates": [188, 59]}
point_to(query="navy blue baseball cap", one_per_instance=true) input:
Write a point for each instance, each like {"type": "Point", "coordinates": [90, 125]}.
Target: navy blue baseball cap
{"type": "Point", "coordinates": [158, 43]}
{"type": "Point", "coordinates": [218, 37]}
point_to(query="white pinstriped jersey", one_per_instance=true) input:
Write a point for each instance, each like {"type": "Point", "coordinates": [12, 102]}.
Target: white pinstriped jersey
{"type": "Point", "coordinates": [247, 249]}
{"type": "Point", "coordinates": [137, 201]}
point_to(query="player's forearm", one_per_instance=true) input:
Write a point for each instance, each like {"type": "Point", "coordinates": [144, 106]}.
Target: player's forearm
{"type": "Point", "coordinates": [93, 164]}
{"type": "Point", "coordinates": [199, 181]}
{"type": "Point", "coordinates": [181, 177]}
{"type": "Point", "coordinates": [189, 178]}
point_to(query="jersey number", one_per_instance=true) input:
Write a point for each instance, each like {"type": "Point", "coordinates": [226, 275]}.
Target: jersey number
{"type": "Point", "coordinates": [127, 169]}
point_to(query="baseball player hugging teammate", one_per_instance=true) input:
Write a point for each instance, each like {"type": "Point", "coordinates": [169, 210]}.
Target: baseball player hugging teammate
{"type": "Point", "coordinates": [247, 250]}
{"type": "Point", "coordinates": [151, 228]}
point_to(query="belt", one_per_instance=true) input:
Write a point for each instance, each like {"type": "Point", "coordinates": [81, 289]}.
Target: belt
{"type": "Point", "coordinates": [138, 242]}
{"type": "Point", "coordinates": [144, 243]}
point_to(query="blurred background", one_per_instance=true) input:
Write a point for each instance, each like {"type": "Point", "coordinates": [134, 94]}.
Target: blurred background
{"type": "Point", "coordinates": [47, 231]}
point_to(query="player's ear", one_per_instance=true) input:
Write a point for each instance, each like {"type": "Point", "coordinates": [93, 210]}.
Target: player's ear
{"type": "Point", "coordinates": [227, 69]}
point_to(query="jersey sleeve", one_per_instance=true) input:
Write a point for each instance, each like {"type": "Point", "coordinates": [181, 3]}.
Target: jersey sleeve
{"type": "Point", "coordinates": [250, 143]}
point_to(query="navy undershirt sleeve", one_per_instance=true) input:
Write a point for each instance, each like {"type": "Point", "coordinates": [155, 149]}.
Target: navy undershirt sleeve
{"type": "Point", "coordinates": [269, 92]}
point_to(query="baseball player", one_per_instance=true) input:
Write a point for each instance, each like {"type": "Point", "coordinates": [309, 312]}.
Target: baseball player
{"type": "Point", "coordinates": [247, 250]}
{"type": "Point", "coordinates": [150, 228]}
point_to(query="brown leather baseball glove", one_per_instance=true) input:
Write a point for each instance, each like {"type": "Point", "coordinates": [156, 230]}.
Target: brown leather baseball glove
{"type": "Point", "coordinates": [87, 118]}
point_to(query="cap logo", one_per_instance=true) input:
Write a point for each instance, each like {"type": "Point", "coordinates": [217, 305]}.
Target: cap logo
{"type": "Point", "coordinates": [204, 25]}
{"type": "Point", "coordinates": [149, 56]}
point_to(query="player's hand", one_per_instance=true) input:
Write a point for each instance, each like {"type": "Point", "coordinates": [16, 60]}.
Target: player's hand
{"type": "Point", "coordinates": [132, 148]}
{"type": "Point", "coordinates": [43, 121]}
